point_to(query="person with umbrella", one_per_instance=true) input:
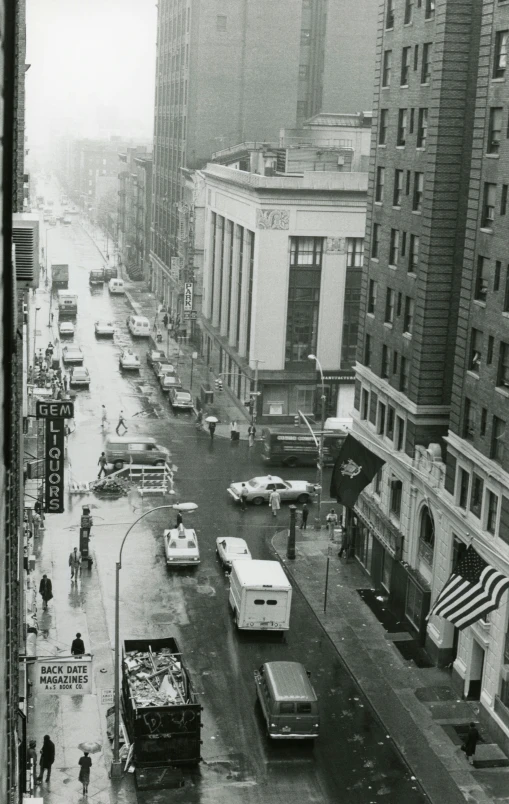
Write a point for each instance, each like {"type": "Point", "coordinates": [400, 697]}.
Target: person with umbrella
{"type": "Point", "coordinates": [211, 421]}
{"type": "Point", "coordinates": [85, 764]}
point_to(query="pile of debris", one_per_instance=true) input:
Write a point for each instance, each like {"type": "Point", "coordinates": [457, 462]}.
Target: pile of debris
{"type": "Point", "coordinates": [110, 485]}
{"type": "Point", "coordinates": [156, 679]}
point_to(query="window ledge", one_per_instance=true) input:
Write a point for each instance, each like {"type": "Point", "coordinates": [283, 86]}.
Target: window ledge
{"type": "Point", "coordinates": [396, 206]}
{"type": "Point", "coordinates": [497, 80]}
{"type": "Point", "coordinates": [502, 391]}
{"type": "Point", "coordinates": [412, 275]}
{"type": "Point", "coordinates": [375, 259]}
{"type": "Point", "coordinates": [400, 147]}
{"type": "Point", "coordinates": [393, 267]}
{"type": "Point", "coordinates": [407, 335]}
{"type": "Point", "coordinates": [505, 313]}
{"type": "Point", "coordinates": [381, 144]}
{"type": "Point", "coordinates": [492, 156]}
{"type": "Point", "coordinates": [371, 315]}
{"type": "Point", "coordinates": [424, 83]}
{"type": "Point", "coordinates": [403, 86]}
{"type": "Point", "coordinates": [485, 230]}
{"type": "Point", "coordinates": [472, 374]}
{"type": "Point", "coordinates": [387, 324]}
{"type": "Point", "coordinates": [421, 148]}
{"type": "Point", "coordinates": [416, 212]}
{"type": "Point", "coordinates": [479, 303]}
{"type": "Point", "coordinates": [378, 203]}
{"type": "Point", "coordinates": [385, 86]}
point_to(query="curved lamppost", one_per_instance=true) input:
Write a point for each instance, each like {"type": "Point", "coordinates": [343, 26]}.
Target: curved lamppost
{"type": "Point", "coordinates": [319, 466]}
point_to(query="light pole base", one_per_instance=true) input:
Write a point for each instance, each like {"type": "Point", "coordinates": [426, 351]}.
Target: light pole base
{"type": "Point", "coordinates": [116, 771]}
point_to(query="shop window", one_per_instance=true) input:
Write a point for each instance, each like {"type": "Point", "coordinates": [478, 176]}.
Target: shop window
{"type": "Point", "coordinates": [386, 570]}
{"type": "Point", "coordinates": [364, 546]}
{"type": "Point", "coordinates": [304, 397]}
{"type": "Point", "coordinates": [414, 603]}
{"type": "Point", "coordinates": [275, 400]}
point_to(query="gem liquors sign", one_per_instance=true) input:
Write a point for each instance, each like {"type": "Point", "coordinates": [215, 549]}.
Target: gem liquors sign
{"type": "Point", "coordinates": [55, 413]}
{"type": "Point", "coordinates": [56, 676]}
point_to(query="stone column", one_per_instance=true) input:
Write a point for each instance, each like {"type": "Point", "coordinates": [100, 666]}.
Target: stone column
{"type": "Point", "coordinates": [226, 278]}
{"type": "Point", "coordinates": [217, 274]}
{"type": "Point", "coordinates": [208, 268]}
{"type": "Point", "coordinates": [232, 330]}
{"type": "Point", "coordinates": [244, 292]}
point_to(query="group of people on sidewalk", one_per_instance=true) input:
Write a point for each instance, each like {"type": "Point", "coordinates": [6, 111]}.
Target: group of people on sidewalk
{"type": "Point", "coordinates": [47, 759]}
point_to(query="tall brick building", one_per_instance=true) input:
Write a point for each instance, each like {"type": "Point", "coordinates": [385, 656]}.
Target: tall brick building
{"type": "Point", "coordinates": [432, 387]}
{"type": "Point", "coordinates": [239, 71]}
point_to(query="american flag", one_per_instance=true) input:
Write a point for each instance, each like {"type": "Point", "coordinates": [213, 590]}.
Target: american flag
{"type": "Point", "coordinates": [474, 589]}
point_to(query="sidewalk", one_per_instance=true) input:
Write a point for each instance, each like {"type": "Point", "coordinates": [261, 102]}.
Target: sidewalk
{"type": "Point", "coordinates": [225, 407]}
{"type": "Point", "coordinates": [418, 707]}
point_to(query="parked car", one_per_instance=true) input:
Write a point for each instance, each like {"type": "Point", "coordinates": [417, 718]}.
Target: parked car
{"type": "Point", "coordinates": [230, 548]}
{"type": "Point", "coordinates": [128, 360]}
{"type": "Point", "coordinates": [259, 489]}
{"type": "Point", "coordinates": [104, 328]}
{"type": "Point", "coordinates": [181, 547]}
{"type": "Point", "coordinates": [72, 354]}
{"type": "Point", "coordinates": [181, 399]}
{"type": "Point", "coordinates": [155, 356]}
{"type": "Point", "coordinates": [67, 219]}
{"type": "Point", "coordinates": [79, 376]}
{"type": "Point", "coordinates": [163, 367]}
{"type": "Point", "coordinates": [169, 381]}
{"type": "Point", "coordinates": [66, 329]}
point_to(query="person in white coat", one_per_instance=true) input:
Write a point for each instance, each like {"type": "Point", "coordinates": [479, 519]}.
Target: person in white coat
{"type": "Point", "coordinates": [275, 501]}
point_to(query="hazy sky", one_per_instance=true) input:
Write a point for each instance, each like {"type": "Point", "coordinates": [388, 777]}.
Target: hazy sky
{"type": "Point", "coordinates": [92, 68]}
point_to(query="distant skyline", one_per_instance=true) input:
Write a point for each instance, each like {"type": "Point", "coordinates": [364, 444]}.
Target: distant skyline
{"type": "Point", "coordinates": [92, 69]}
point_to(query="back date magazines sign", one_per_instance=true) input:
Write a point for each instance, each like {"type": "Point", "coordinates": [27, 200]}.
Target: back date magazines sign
{"type": "Point", "coordinates": [57, 676]}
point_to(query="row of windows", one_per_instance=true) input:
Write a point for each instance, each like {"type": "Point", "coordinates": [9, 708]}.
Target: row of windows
{"type": "Point", "coordinates": [383, 416]}
{"type": "Point", "coordinates": [489, 204]}
{"type": "Point", "coordinates": [390, 17]}
{"type": "Point", "coordinates": [400, 186]}
{"type": "Point", "coordinates": [407, 61]}
{"type": "Point", "coordinates": [476, 357]}
{"type": "Point", "coordinates": [481, 288]}
{"type": "Point", "coordinates": [398, 253]}
{"type": "Point", "coordinates": [396, 365]}
{"type": "Point", "coordinates": [392, 309]}
{"type": "Point", "coordinates": [470, 495]}
{"type": "Point", "coordinates": [476, 422]}
{"type": "Point", "coordinates": [406, 126]}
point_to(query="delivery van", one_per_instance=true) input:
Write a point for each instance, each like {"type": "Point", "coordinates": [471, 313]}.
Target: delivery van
{"type": "Point", "coordinates": [260, 596]}
{"type": "Point", "coordinates": [288, 701]}
{"type": "Point", "coordinates": [135, 449]}
{"type": "Point", "coordinates": [116, 286]}
{"type": "Point", "coordinates": [139, 326]}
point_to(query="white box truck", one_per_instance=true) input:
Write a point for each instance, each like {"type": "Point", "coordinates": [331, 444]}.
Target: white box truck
{"type": "Point", "coordinates": [260, 596]}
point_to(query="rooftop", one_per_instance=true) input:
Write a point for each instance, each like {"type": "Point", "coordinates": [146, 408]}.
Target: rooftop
{"type": "Point", "coordinates": [312, 180]}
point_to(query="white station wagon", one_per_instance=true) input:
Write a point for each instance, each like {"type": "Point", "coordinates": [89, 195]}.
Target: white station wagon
{"type": "Point", "coordinates": [181, 547]}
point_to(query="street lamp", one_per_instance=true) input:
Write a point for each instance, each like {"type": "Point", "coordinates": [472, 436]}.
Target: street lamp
{"type": "Point", "coordinates": [116, 763]}
{"type": "Point", "coordinates": [319, 465]}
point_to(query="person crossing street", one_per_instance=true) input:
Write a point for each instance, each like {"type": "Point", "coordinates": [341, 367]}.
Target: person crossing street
{"type": "Point", "coordinates": [102, 462]}
{"type": "Point", "coordinates": [121, 423]}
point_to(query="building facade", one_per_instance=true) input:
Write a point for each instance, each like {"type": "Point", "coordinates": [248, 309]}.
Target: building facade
{"type": "Point", "coordinates": [215, 87]}
{"type": "Point", "coordinates": [134, 211]}
{"type": "Point", "coordinates": [432, 361]}
{"type": "Point", "coordinates": [281, 280]}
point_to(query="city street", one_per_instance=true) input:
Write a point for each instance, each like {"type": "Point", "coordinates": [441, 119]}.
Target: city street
{"type": "Point", "coordinates": [354, 760]}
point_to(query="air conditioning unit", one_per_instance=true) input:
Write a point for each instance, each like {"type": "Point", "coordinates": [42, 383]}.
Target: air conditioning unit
{"type": "Point", "coordinates": [25, 239]}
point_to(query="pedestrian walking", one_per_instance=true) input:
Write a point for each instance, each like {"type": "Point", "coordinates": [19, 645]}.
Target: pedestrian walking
{"type": "Point", "coordinates": [85, 764]}
{"type": "Point", "coordinates": [199, 420]}
{"type": "Point", "coordinates": [36, 523]}
{"type": "Point", "coordinates": [104, 417]}
{"type": "Point", "coordinates": [251, 435]}
{"type": "Point", "coordinates": [45, 591]}
{"type": "Point", "coordinates": [65, 380]}
{"type": "Point", "coordinates": [243, 497]}
{"type": "Point", "coordinates": [47, 758]}
{"type": "Point", "coordinates": [212, 429]}
{"type": "Point", "coordinates": [75, 563]}
{"type": "Point", "coordinates": [165, 320]}
{"type": "Point", "coordinates": [32, 761]}
{"type": "Point", "coordinates": [305, 514]}
{"type": "Point", "coordinates": [470, 743]}
{"type": "Point", "coordinates": [102, 462]}
{"type": "Point", "coordinates": [78, 646]}
{"type": "Point", "coordinates": [345, 544]}
{"type": "Point", "coordinates": [121, 423]}
{"type": "Point", "coordinates": [234, 431]}
{"type": "Point", "coordinates": [275, 501]}
{"type": "Point", "coordinates": [180, 519]}
{"type": "Point", "coordinates": [332, 521]}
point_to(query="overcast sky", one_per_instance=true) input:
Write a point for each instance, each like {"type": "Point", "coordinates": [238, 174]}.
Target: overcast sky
{"type": "Point", "coordinates": [92, 68]}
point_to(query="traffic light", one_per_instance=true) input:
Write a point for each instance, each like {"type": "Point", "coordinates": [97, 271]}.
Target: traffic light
{"type": "Point", "coordinates": [219, 384]}
{"type": "Point", "coordinates": [296, 420]}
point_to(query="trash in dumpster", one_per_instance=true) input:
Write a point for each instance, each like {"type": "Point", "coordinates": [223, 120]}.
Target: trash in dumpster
{"type": "Point", "coordinates": [156, 678]}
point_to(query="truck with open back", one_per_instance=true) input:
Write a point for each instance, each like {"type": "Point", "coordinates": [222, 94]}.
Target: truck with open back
{"type": "Point", "coordinates": [161, 710]}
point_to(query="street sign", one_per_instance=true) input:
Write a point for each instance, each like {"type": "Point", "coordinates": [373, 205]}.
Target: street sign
{"type": "Point", "coordinates": [54, 410]}
{"type": "Point", "coordinates": [107, 697]}
{"type": "Point", "coordinates": [54, 469]}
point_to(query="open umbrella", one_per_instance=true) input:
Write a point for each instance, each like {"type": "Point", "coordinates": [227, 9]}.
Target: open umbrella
{"type": "Point", "coordinates": [91, 747]}
{"type": "Point", "coordinates": [211, 419]}
{"type": "Point", "coordinates": [185, 506]}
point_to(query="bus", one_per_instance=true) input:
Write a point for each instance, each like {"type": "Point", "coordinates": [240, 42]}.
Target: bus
{"type": "Point", "coordinates": [296, 446]}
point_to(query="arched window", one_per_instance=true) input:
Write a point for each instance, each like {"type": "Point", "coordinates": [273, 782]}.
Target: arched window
{"type": "Point", "coordinates": [427, 529]}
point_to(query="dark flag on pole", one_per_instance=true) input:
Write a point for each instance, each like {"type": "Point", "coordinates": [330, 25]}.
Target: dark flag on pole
{"type": "Point", "coordinates": [474, 589]}
{"type": "Point", "coordinates": [355, 467]}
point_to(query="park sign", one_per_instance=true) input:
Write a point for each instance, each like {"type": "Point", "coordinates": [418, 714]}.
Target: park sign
{"type": "Point", "coordinates": [55, 675]}
{"type": "Point", "coordinates": [54, 412]}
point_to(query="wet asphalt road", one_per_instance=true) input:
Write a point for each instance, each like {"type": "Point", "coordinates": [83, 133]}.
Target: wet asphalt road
{"type": "Point", "coordinates": [354, 760]}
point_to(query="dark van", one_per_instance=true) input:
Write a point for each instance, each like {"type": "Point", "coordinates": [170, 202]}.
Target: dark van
{"type": "Point", "coordinates": [288, 701]}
